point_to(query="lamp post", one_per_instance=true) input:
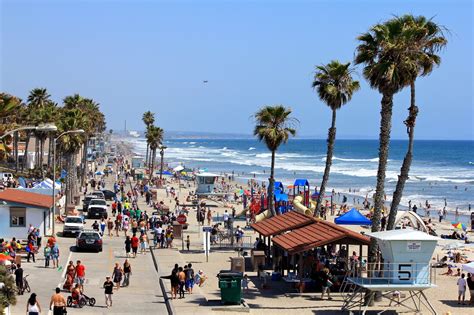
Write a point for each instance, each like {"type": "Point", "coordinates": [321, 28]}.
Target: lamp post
{"type": "Point", "coordinates": [162, 154]}
{"type": "Point", "coordinates": [54, 170]}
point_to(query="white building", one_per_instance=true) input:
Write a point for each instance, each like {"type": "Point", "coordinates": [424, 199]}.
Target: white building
{"type": "Point", "coordinates": [19, 209]}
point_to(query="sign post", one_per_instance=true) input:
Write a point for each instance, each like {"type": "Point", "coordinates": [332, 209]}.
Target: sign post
{"type": "Point", "coordinates": [207, 242]}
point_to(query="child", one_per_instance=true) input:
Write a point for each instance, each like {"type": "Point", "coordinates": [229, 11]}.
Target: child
{"type": "Point", "coordinates": [245, 283]}
{"type": "Point", "coordinates": [47, 255]}
{"type": "Point", "coordinates": [188, 242]}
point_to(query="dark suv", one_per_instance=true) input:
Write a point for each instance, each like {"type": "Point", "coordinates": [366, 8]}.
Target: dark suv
{"type": "Point", "coordinates": [89, 240]}
{"type": "Point", "coordinates": [95, 212]}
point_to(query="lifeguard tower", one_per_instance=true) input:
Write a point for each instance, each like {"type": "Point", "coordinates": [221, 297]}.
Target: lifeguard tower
{"type": "Point", "coordinates": [405, 267]}
{"type": "Point", "coordinates": [205, 183]}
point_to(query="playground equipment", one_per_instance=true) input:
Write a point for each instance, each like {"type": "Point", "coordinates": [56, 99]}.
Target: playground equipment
{"type": "Point", "coordinates": [406, 267]}
{"type": "Point", "coordinates": [298, 206]}
{"type": "Point", "coordinates": [301, 187]}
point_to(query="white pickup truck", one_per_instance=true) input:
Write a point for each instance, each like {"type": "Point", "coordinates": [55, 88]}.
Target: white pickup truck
{"type": "Point", "coordinates": [73, 225]}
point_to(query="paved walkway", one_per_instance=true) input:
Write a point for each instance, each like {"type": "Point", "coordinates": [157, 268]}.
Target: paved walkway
{"type": "Point", "coordinates": [143, 296]}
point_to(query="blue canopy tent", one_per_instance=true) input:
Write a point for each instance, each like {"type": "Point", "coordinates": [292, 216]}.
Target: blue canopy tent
{"type": "Point", "coordinates": [279, 187]}
{"type": "Point", "coordinates": [352, 217]}
{"type": "Point", "coordinates": [165, 173]}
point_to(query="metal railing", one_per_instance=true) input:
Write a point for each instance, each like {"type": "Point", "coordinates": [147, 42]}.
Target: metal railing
{"type": "Point", "coordinates": [229, 241]}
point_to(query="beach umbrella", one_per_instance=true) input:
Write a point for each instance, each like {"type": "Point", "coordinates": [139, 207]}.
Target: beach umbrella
{"type": "Point", "coordinates": [4, 257]}
{"type": "Point", "coordinates": [99, 173]}
{"type": "Point", "coordinates": [459, 226]}
{"type": "Point", "coordinates": [452, 246]}
{"type": "Point", "coordinates": [468, 267]}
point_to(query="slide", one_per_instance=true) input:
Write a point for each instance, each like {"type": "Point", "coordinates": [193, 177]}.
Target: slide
{"type": "Point", "coordinates": [264, 215]}
{"type": "Point", "coordinates": [298, 206]}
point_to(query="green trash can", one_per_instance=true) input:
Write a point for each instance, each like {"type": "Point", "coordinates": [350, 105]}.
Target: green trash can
{"type": "Point", "coordinates": [231, 287]}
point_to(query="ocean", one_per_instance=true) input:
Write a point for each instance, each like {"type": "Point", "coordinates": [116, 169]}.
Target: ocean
{"type": "Point", "coordinates": [440, 170]}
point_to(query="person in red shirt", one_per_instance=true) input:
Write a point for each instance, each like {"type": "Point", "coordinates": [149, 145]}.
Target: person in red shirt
{"type": "Point", "coordinates": [80, 274]}
{"type": "Point", "coordinates": [135, 242]}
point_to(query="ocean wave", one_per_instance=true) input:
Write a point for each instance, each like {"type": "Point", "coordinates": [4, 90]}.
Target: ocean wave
{"type": "Point", "coordinates": [251, 148]}
{"type": "Point", "coordinates": [335, 158]}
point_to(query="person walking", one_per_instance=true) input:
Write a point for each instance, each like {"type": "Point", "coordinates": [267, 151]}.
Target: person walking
{"type": "Point", "coordinates": [325, 277]}
{"type": "Point", "coordinates": [128, 246]}
{"type": "Point", "coordinates": [33, 307]}
{"type": "Point", "coordinates": [70, 273]}
{"type": "Point", "coordinates": [80, 274]}
{"type": "Point", "coordinates": [470, 286]}
{"type": "Point", "coordinates": [134, 242]}
{"type": "Point", "coordinates": [55, 255]}
{"type": "Point", "coordinates": [190, 278]}
{"type": "Point", "coordinates": [182, 282]}
{"type": "Point", "coordinates": [462, 284]}
{"type": "Point", "coordinates": [110, 226]}
{"type": "Point", "coordinates": [143, 243]}
{"type": "Point", "coordinates": [57, 303]}
{"type": "Point", "coordinates": [108, 291]}
{"type": "Point", "coordinates": [127, 272]}
{"type": "Point", "coordinates": [102, 226]}
{"type": "Point", "coordinates": [30, 248]}
{"type": "Point", "coordinates": [19, 279]}
{"type": "Point", "coordinates": [47, 255]}
{"type": "Point", "coordinates": [188, 243]}
{"type": "Point", "coordinates": [117, 275]}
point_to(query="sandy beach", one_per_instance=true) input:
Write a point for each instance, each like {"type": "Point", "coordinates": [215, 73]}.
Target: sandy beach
{"type": "Point", "coordinates": [280, 298]}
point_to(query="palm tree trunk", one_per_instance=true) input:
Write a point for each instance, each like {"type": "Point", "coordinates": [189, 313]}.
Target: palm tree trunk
{"type": "Point", "coordinates": [384, 142]}
{"type": "Point", "coordinates": [16, 138]}
{"type": "Point", "coordinates": [152, 162]}
{"type": "Point", "coordinates": [25, 154]}
{"type": "Point", "coordinates": [271, 185]}
{"type": "Point", "coordinates": [146, 156]}
{"type": "Point", "coordinates": [162, 153]}
{"type": "Point", "coordinates": [37, 146]}
{"type": "Point", "coordinates": [41, 153]}
{"type": "Point", "coordinates": [405, 169]}
{"type": "Point", "coordinates": [50, 150]}
{"type": "Point", "coordinates": [327, 169]}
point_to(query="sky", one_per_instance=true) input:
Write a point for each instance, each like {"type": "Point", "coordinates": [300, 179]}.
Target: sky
{"type": "Point", "coordinates": [134, 56]}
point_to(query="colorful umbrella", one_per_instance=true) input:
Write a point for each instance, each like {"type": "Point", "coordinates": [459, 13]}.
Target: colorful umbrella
{"type": "Point", "coordinates": [5, 257]}
{"type": "Point", "coordinates": [459, 226]}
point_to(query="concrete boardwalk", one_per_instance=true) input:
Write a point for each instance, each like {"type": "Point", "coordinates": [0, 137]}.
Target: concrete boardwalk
{"type": "Point", "coordinates": [143, 296]}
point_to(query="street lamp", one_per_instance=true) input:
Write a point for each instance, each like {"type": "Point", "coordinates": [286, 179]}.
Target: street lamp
{"type": "Point", "coordinates": [42, 127]}
{"type": "Point", "coordinates": [54, 170]}
{"type": "Point", "coordinates": [162, 153]}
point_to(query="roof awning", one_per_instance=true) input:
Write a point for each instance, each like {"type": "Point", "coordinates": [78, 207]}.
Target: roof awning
{"type": "Point", "coordinates": [282, 223]}
{"type": "Point", "coordinates": [318, 234]}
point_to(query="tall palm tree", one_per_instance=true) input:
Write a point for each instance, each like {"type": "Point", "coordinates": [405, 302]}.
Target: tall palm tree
{"type": "Point", "coordinates": [8, 105]}
{"type": "Point", "coordinates": [423, 40]}
{"type": "Point", "coordinates": [335, 86]}
{"type": "Point", "coordinates": [274, 126]}
{"type": "Point", "coordinates": [38, 97]}
{"type": "Point", "coordinates": [149, 119]}
{"type": "Point", "coordinates": [154, 136]}
{"type": "Point", "coordinates": [379, 51]}
{"type": "Point", "coordinates": [70, 144]}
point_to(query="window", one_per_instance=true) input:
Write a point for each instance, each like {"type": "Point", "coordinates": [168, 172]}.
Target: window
{"type": "Point", "coordinates": [17, 217]}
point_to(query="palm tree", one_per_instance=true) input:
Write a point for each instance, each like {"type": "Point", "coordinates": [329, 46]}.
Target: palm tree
{"type": "Point", "coordinates": [154, 136]}
{"type": "Point", "coordinates": [149, 119]}
{"type": "Point", "coordinates": [70, 144]}
{"type": "Point", "coordinates": [8, 105]}
{"type": "Point", "coordinates": [335, 87]}
{"type": "Point", "coordinates": [423, 40]}
{"type": "Point", "coordinates": [274, 126]}
{"type": "Point", "coordinates": [380, 53]}
{"type": "Point", "coordinates": [38, 97]}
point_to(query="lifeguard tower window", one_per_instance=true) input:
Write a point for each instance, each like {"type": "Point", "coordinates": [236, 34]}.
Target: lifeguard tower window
{"type": "Point", "coordinates": [206, 180]}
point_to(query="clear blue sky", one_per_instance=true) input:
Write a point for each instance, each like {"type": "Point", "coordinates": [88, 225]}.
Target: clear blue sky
{"type": "Point", "coordinates": [133, 56]}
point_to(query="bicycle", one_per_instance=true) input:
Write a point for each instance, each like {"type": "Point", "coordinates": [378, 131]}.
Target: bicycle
{"type": "Point", "coordinates": [25, 286]}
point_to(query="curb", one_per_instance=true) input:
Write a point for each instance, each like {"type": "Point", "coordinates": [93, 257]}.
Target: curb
{"type": "Point", "coordinates": [164, 292]}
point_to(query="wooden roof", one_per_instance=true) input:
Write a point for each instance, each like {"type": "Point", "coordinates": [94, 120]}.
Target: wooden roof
{"type": "Point", "coordinates": [282, 223]}
{"type": "Point", "coordinates": [316, 234]}
{"type": "Point", "coordinates": [26, 198]}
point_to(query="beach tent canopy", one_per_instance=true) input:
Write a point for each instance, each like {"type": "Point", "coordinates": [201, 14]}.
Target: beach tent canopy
{"type": "Point", "coordinates": [165, 173]}
{"type": "Point", "coordinates": [468, 267]}
{"type": "Point", "coordinates": [352, 217]}
{"type": "Point", "coordinates": [301, 182]}
{"type": "Point", "coordinates": [47, 184]}
{"type": "Point", "coordinates": [178, 168]}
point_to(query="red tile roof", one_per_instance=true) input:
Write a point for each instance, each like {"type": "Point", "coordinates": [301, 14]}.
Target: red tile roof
{"type": "Point", "coordinates": [26, 198]}
{"type": "Point", "coordinates": [282, 223]}
{"type": "Point", "coordinates": [317, 234]}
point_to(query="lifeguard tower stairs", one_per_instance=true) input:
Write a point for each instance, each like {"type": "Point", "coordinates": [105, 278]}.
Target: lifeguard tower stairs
{"type": "Point", "coordinates": [401, 278]}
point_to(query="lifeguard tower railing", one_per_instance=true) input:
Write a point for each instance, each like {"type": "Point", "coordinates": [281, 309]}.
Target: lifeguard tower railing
{"type": "Point", "coordinates": [389, 279]}
{"type": "Point", "coordinates": [392, 273]}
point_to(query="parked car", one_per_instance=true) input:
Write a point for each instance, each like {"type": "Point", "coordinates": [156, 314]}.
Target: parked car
{"type": "Point", "coordinates": [108, 194]}
{"type": "Point", "coordinates": [98, 202]}
{"type": "Point", "coordinates": [97, 212]}
{"type": "Point", "coordinates": [98, 194]}
{"type": "Point", "coordinates": [73, 225]}
{"type": "Point", "coordinates": [85, 202]}
{"type": "Point", "coordinates": [89, 240]}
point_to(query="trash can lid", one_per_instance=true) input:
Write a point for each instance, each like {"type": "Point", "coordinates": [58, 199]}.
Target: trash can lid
{"type": "Point", "coordinates": [230, 274]}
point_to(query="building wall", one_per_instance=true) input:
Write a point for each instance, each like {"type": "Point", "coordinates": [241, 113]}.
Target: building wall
{"type": "Point", "coordinates": [34, 216]}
